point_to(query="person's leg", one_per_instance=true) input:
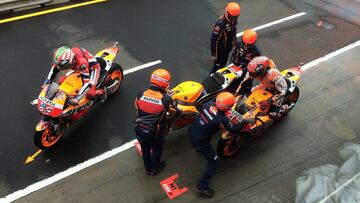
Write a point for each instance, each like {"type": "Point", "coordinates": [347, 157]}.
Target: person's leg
{"type": "Point", "coordinates": [208, 152]}
{"type": "Point", "coordinates": [220, 62]}
{"type": "Point", "coordinates": [157, 145]}
{"type": "Point", "coordinates": [145, 149]}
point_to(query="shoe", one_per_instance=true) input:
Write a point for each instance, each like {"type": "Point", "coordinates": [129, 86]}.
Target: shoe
{"type": "Point", "coordinates": [161, 167]}
{"type": "Point", "coordinates": [149, 173]}
{"type": "Point", "coordinates": [206, 192]}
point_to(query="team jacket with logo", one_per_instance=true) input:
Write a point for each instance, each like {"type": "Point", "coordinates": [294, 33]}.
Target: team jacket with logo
{"type": "Point", "coordinates": [242, 57]}
{"type": "Point", "coordinates": [152, 105]}
{"type": "Point", "coordinates": [86, 64]}
{"type": "Point", "coordinates": [223, 36]}
{"type": "Point", "coordinates": [209, 120]}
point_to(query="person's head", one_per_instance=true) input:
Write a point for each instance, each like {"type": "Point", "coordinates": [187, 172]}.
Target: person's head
{"type": "Point", "coordinates": [64, 58]}
{"type": "Point", "coordinates": [249, 38]}
{"type": "Point", "coordinates": [258, 66]}
{"type": "Point", "coordinates": [232, 11]}
{"type": "Point", "coordinates": [161, 78]}
{"type": "Point", "coordinates": [224, 101]}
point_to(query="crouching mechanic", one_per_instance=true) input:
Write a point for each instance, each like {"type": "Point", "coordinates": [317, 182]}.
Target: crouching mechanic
{"type": "Point", "coordinates": [263, 69]}
{"type": "Point", "coordinates": [151, 125]}
{"type": "Point", "coordinates": [211, 116]}
{"type": "Point", "coordinates": [78, 60]}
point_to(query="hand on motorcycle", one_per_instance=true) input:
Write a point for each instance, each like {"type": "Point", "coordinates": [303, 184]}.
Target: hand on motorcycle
{"type": "Point", "coordinates": [74, 101]}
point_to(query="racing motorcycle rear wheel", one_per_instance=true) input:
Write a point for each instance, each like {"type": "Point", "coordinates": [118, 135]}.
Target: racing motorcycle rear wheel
{"type": "Point", "coordinates": [116, 78]}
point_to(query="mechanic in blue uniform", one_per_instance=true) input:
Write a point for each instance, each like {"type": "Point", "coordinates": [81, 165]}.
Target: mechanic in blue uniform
{"type": "Point", "coordinates": [211, 116]}
{"type": "Point", "coordinates": [151, 125]}
{"type": "Point", "coordinates": [223, 37]}
{"type": "Point", "coordinates": [245, 51]}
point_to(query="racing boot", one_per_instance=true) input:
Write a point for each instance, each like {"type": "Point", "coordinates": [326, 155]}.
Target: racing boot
{"type": "Point", "coordinates": [206, 192]}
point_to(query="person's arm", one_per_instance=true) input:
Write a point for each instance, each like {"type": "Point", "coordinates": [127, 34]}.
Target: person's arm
{"type": "Point", "coordinates": [52, 74]}
{"type": "Point", "coordinates": [235, 55]}
{"type": "Point", "coordinates": [233, 127]}
{"type": "Point", "coordinates": [217, 32]}
{"type": "Point", "coordinates": [245, 86]}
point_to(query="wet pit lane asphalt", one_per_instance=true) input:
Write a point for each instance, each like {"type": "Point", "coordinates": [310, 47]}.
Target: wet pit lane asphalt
{"type": "Point", "coordinates": [177, 33]}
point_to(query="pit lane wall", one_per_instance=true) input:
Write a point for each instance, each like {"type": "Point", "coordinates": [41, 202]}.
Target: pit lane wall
{"type": "Point", "coordinates": [7, 6]}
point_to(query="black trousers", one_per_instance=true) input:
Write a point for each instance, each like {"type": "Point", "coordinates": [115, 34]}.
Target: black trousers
{"type": "Point", "coordinates": [151, 147]}
{"type": "Point", "coordinates": [220, 62]}
{"type": "Point", "coordinates": [204, 148]}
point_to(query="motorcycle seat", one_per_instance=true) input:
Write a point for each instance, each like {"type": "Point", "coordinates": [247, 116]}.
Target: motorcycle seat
{"type": "Point", "coordinates": [213, 83]}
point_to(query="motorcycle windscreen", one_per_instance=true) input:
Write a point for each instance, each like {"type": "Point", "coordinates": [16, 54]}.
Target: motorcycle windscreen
{"type": "Point", "coordinates": [72, 84]}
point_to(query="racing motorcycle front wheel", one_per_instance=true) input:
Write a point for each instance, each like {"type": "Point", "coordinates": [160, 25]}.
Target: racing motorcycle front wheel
{"type": "Point", "coordinates": [48, 137]}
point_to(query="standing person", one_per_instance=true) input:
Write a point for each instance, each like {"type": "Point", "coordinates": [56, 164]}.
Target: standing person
{"type": "Point", "coordinates": [150, 124]}
{"type": "Point", "coordinates": [206, 124]}
{"type": "Point", "coordinates": [223, 36]}
{"type": "Point", "coordinates": [245, 51]}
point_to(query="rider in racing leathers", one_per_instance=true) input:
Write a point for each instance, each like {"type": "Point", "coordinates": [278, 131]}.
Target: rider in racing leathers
{"type": "Point", "coordinates": [264, 69]}
{"type": "Point", "coordinates": [78, 60]}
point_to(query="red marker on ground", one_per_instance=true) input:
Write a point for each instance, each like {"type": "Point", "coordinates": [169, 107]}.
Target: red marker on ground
{"type": "Point", "coordinates": [171, 188]}
{"type": "Point", "coordinates": [138, 147]}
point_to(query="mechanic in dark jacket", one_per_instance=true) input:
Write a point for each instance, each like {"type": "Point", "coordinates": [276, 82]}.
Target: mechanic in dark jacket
{"type": "Point", "coordinates": [151, 125]}
{"type": "Point", "coordinates": [245, 51]}
{"type": "Point", "coordinates": [223, 36]}
{"type": "Point", "coordinates": [211, 116]}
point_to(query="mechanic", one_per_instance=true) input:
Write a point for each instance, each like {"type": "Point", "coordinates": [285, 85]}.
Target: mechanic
{"type": "Point", "coordinates": [223, 36]}
{"type": "Point", "coordinates": [245, 51]}
{"type": "Point", "coordinates": [263, 69]}
{"type": "Point", "coordinates": [78, 60]}
{"type": "Point", "coordinates": [211, 116]}
{"type": "Point", "coordinates": [151, 125]}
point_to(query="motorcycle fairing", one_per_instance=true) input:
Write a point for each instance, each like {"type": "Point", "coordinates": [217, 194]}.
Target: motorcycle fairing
{"type": "Point", "coordinates": [72, 84]}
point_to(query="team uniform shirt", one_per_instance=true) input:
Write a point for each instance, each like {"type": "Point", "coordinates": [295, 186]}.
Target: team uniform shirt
{"type": "Point", "coordinates": [209, 120]}
{"type": "Point", "coordinates": [86, 64]}
{"type": "Point", "coordinates": [242, 57]}
{"type": "Point", "coordinates": [152, 105]}
{"type": "Point", "coordinates": [223, 36]}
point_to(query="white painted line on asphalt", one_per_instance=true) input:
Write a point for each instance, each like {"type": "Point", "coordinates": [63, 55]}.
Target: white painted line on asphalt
{"type": "Point", "coordinates": [131, 70]}
{"type": "Point", "coordinates": [274, 23]}
{"type": "Point", "coordinates": [331, 55]}
{"type": "Point", "coordinates": [41, 184]}
{"type": "Point", "coordinates": [339, 188]}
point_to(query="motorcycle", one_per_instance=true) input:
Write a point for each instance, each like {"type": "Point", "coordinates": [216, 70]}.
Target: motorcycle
{"type": "Point", "coordinates": [55, 100]}
{"type": "Point", "coordinates": [189, 95]}
{"type": "Point", "coordinates": [254, 107]}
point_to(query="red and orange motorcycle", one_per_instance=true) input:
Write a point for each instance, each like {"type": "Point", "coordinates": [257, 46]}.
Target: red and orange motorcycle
{"type": "Point", "coordinates": [55, 100]}
{"type": "Point", "coordinates": [254, 107]}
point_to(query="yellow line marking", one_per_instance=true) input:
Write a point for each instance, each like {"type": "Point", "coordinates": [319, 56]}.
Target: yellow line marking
{"type": "Point", "coordinates": [50, 11]}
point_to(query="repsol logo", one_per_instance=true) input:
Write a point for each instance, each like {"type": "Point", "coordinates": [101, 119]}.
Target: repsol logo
{"type": "Point", "coordinates": [47, 101]}
{"type": "Point", "coordinates": [151, 100]}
